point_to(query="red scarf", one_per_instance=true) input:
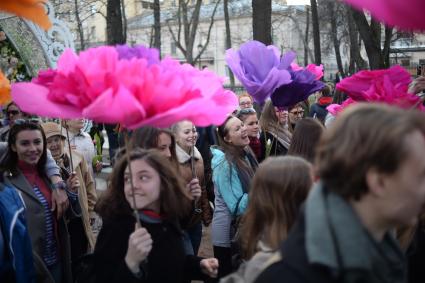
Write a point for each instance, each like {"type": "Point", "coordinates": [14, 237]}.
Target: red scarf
{"type": "Point", "coordinates": [151, 214]}
{"type": "Point", "coordinates": [255, 145]}
{"type": "Point", "coordinates": [325, 100]}
{"type": "Point", "coordinates": [34, 179]}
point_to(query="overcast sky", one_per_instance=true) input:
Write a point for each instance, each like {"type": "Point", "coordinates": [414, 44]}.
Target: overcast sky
{"type": "Point", "coordinates": [298, 2]}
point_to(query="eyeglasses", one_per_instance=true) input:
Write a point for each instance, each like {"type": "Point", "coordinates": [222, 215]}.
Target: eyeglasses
{"type": "Point", "coordinates": [297, 113]}
{"type": "Point", "coordinates": [12, 112]}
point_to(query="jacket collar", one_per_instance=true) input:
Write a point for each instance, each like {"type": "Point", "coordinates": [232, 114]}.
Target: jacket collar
{"type": "Point", "coordinates": [183, 156]}
{"type": "Point", "coordinates": [20, 182]}
{"type": "Point", "coordinates": [334, 235]}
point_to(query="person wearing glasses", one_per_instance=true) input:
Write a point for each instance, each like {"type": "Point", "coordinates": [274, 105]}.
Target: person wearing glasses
{"type": "Point", "coordinates": [24, 169]}
{"type": "Point", "coordinates": [296, 113]}
{"type": "Point", "coordinates": [249, 117]}
{"type": "Point", "coordinates": [12, 113]}
{"type": "Point", "coordinates": [275, 136]}
{"type": "Point", "coordinates": [245, 101]}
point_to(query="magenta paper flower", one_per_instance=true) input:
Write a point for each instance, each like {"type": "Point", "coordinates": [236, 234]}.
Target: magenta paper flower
{"type": "Point", "coordinates": [335, 109]}
{"type": "Point", "coordinates": [259, 68]}
{"type": "Point", "coordinates": [312, 68]}
{"type": "Point", "coordinates": [132, 91]}
{"type": "Point", "coordinates": [45, 77]}
{"type": "Point", "coordinates": [357, 84]}
{"type": "Point", "coordinates": [388, 86]}
{"type": "Point", "coordinates": [407, 14]}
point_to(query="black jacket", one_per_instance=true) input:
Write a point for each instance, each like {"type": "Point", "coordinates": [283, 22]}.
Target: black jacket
{"type": "Point", "coordinates": [416, 256]}
{"type": "Point", "coordinates": [294, 266]}
{"type": "Point", "coordinates": [277, 148]}
{"type": "Point", "coordinates": [166, 262]}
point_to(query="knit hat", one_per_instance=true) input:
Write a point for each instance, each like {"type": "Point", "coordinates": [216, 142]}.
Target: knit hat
{"type": "Point", "coordinates": [52, 129]}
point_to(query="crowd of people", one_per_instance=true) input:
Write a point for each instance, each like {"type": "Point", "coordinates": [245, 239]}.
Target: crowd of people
{"type": "Point", "coordinates": [290, 194]}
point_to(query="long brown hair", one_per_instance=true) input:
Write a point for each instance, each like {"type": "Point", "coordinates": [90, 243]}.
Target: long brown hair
{"type": "Point", "coordinates": [268, 117]}
{"type": "Point", "coordinates": [280, 186]}
{"type": "Point", "coordinates": [148, 138]}
{"type": "Point", "coordinates": [305, 139]}
{"type": "Point", "coordinates": [174, 200]}
{"type": "Point", "coordinates": [236, 156]}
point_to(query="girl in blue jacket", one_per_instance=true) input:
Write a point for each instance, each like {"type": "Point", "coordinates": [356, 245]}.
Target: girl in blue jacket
{"type": "Point", "coordinates": [233, 165]}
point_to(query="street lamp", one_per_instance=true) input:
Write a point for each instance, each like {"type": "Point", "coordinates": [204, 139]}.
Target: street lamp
{"type": "Point", "coordinates": [200, 47]}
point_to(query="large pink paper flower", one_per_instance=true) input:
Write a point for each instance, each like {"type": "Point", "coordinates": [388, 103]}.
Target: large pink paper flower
{"type": "Point", "coordinates": [388, 86]}
{"type": "Point", "coordinates": [407, 14]}
{"type": "Point", "coordinates": [357, 84]}
{"type": "Point", "coordinates": [98, 85]}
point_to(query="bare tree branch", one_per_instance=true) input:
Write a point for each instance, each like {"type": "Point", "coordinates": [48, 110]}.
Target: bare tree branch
{"type": "Point", "coordinates": [205, 45]}
{"type": "Point", "coordinates": [178, 44]}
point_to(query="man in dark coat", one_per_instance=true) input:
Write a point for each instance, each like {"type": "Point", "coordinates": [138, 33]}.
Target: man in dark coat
{"type": "Point", "coordinates": [372, 181]}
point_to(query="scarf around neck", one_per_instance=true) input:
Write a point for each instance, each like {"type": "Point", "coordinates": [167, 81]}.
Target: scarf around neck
{"type": "Point", "coordinates": [281, 133]}
{"type": "Point", "coordinates": [336, 238]}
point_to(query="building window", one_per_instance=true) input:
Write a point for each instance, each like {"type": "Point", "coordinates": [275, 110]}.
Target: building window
{"type": "Point", "coordinates": [173, 48]}
{"type": "Point", "coordinates": [93, 33]}
{"type": "Point", "coordinates": [147, 5]}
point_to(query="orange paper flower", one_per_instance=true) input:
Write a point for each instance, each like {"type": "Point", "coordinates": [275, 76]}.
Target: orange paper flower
{"type": "Point", "coordinates": [32, 10]}
{"type": "Point", "coordinates": [4, 90]}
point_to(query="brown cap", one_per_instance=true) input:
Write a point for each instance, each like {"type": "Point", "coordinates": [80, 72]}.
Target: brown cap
{"type": "Point", "coordinates": [52, 129]}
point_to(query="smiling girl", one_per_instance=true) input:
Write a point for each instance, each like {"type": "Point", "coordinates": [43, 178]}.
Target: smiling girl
{"type": "Point", "coordinates": [154, 252]}
{"type": "Point", "coordinates": [233, 166]}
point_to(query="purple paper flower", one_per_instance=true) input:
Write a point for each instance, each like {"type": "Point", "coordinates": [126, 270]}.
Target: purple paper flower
{"type": "Point", "coordinates": [126, 52]}
{"type": "Point", "coordinates": [303, 84]}
{"type": "Point", "coordinates": [259, 68]}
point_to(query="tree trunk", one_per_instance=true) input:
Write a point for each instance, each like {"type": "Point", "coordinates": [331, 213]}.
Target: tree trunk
{"type": "Point", "coordinates": [79, 26]}
{"type": "Point", "coordinates": [114, 25]}
{"type": "Point", "coordinates": [356, 60]}
{"type": "Point", "coordinates": [334, 35]}
{"type": "Point", "coordinates": [371, 36]}
{"type": "Point", "coordinates": [387, 46]}
{"type": "Point", "coordinates": [306, 37]}
{"type": "Point", "coordinates": [157, 25]}
{"type": "Point", "coordinates": [316, 33]}
{"type": "Point", "coordinates": [124, 20]}
{"type": "Point", "coordinates": [228, 39]}
{"type": "Point", "coordinates": [262, 21]}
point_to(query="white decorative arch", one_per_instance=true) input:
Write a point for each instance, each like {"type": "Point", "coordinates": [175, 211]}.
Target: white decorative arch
{"type": "Point", "coordinates": [38, 49]}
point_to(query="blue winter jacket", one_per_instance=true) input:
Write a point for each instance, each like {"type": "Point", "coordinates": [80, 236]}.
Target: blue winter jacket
{"type": "Point", "coordinates": [227, 182]}
{"type": "Point", "coordinates": [16, 244]}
